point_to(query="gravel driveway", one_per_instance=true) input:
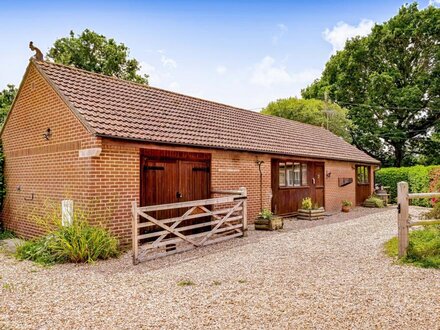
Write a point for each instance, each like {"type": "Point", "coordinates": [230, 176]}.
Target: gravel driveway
{"type": "Point", "coordinates": [330, 276]}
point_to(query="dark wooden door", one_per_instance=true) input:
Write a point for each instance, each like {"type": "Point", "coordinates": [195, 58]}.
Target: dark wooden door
{"type": "Point", "coordinates": [169, 177]}
{"type": "Point", "coordinates": [318, 186]}
{"type": "Point", "coordinates": [160, 182]}
{"type": "Point", "coordinates": [363, 183]}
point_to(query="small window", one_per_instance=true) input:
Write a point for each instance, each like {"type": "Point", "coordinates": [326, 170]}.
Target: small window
{"type": "Point", "coordinates": [282, 175]}
{"type": "Point", "coordinates": [292, 174]}
{"type": "Point", "coordinates": [304, 175]}
{"type": "Point", "coordinates": [289, 174]}
{"type": "Point", "coordinates": [297, 174]}
{"type": "Point", "coordinates": [362, 173]}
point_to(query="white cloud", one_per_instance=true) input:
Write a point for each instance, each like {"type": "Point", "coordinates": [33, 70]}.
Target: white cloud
{"type": "Point", "coordinates": [339, 34]}
{"type": "Point", "coordinates": [267, 73]}
{"type": "Point", "coordinates": [282, 30]}
{"type": "Point", "coordinates": [221, 69]}
{"type": "Point", "coordinates": [175, 86]}
{"type": "Point", "coordinates": [434, 2]}
{"type": "Point", "coordinates": [168, 62]}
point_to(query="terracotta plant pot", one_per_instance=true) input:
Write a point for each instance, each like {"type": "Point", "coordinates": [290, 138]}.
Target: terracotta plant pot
{"type": "Point", "coordinates": [345, 208]}
{"type": "Point", "coordinates": [317, 214]}
{"type": "Point", "coordinates": [269, 224]}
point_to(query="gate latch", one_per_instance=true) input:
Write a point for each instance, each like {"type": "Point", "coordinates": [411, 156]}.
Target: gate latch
{"type": "Point", "coordinates": [398, 208]}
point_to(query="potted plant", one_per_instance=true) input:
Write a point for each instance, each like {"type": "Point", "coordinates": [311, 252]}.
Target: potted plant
{"type": "Point", "coordinates": [267, 221]}
{"type": "Point", "coordinates": [308, 211]}
{"type": "Point", "coordinates": [346, 204]}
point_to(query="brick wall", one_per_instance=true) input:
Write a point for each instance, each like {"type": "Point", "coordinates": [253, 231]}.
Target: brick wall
{"type": "Point", "coordinates": [334, 194]}
{"type": "Point", "coordinates": [48, 170]}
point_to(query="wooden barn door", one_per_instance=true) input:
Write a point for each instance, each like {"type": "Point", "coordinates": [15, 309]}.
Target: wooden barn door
{"type": "Point", "coordinates": [172, 177]}
{"type": "Point", "coordinates": [363, 183]}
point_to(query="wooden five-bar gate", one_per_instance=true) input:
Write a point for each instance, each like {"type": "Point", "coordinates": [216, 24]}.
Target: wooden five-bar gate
{"type": "Point", "coordinates": [221, 218]}
{"type": "Point", "coordinates": [404, 223]}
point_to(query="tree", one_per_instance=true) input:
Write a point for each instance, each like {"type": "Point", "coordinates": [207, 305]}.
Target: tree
{"type": "Point", "coordinates": [390, 83]}
{"type": "Point", "coordinates": [94, 52]}
{"type": "Point", "coordinates": [314, 112]}
{"type": "Point", "coordinates": [6, 99]}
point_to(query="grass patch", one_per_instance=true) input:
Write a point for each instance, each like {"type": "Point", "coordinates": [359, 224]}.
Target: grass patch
{"type": "Point", "coordinates": [8, 287]}
{"type": "Point", "coordinates": [185, 283]}
{"type": "Point", "coordinates": [79, 242]}
{"type": "Point", "coordinates": [423, 250]}
{"type": "Point", "coordinates": [6, 234]}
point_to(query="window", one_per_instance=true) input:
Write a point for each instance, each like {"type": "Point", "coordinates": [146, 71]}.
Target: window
{"type": "Point", "coordinates": [363, 174]}
{"type": "Point", "coordinates": [304, 174]}
{"type": "Point", "coordinates": [297, 174]}
{"type": "Point", "coordinates": [292, 174]}
{"type": "Point", "coordinates": [282, 171]}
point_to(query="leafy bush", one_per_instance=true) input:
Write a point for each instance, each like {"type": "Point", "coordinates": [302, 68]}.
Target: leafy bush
{"type": "Point", "coordinates": [5, 234]}
{"type": "Point", "coordinates": [266, 214]}
{"type": "Point", "coordinates": [419, 178]}
{"type": "Point", "coordinates": [432, 214]}
{"type": "Point", "coordinates": [307, 204]}
{"type": "Point", "coordinates": [80, 242]}
{"type": "Point", "coordinates": [423, 250]}
{"type": "Point", "coordinates": [346, 202]}
{"type": "Point", "coordinates": [376, 201]}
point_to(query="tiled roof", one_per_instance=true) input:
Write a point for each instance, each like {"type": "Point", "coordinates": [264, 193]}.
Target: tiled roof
{"type": "Point", "coordinates": [116, 108]}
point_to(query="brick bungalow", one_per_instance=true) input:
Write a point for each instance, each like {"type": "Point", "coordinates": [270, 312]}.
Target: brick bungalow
{"type": "Point", "coordinates": [105, 142]}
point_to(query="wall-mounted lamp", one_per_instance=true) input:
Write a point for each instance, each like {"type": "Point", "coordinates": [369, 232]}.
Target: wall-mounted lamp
{"type": "Point", "coordinates": [47, 135]}
{"type": "Point", "coordinates": [328, 174]}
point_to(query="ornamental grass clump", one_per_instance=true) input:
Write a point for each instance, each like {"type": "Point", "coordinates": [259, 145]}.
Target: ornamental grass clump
{"type": "Point", "coordinates": [79, 242]}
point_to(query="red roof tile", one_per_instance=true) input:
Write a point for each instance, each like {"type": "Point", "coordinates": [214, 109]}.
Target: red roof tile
{"type": "Point", "coordinates": [122, 109]}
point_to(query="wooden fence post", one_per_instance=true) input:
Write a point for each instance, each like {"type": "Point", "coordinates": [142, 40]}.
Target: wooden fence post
{"type": "Point", "coordinates": [135, 243]}
{"type": "Point", "coordinates": [245, 219]}
{"type": "Point", "coordinates": [403, 218]}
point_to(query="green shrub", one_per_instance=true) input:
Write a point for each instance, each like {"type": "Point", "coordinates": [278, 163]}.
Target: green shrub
{"type": "Point", "coordinates": [376, 201]}
{"type": "Point", "coordinates": [419, 179]}
{"type": "Point", "coordinates": [432, 214]}
{"type": "Point", "coordinates": [5, 234]}
{"type": "Point", "coordinates": [266, 214]}
{"type": "Point", "coordinates": [306, 203]}
{"type": "Point", "coordinates": [423, 250]}
{"type": "Point", "coordinates": [80, 242]}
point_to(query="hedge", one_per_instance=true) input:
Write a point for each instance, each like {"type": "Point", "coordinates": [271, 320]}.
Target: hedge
{"type": "Point", "coordinates": [420, 179]}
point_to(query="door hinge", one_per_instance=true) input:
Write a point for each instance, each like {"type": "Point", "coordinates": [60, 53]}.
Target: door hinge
{"type": "Point", "coordinates": [398, 208]}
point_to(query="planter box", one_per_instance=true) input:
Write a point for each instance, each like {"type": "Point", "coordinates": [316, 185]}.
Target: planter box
{"type": "Point", "coordinates": [370, 204]}
{"type": "Point", "coordinates": [272, 224]}
{"type": "Point", "coordinates": [311, 214]}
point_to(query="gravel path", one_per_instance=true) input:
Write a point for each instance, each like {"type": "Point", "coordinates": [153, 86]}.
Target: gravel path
{"type": "Point", "coordinates": [332, 276]}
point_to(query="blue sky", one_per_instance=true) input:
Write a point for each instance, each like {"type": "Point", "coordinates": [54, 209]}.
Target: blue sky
{"type": "Point", "coordinates": [243, 53]}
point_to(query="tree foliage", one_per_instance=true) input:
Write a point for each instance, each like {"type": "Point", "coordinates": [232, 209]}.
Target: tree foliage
{"type": "Point", "coordinates": [390, 83]}
{"type": "Point", "coordinates": [6, 98]}
{"type": "Point", "coordinates": [94, 52]}
{"type": "Point", "coordinates": [314, 112]}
